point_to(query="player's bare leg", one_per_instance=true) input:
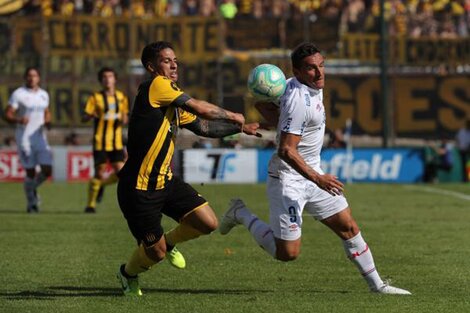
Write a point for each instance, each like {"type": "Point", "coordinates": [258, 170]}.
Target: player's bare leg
{"type": "Point", "coordinates": [287, 250]}
{"type": "Point", "coordinates": [111, 179]}
{"type": "Point", "coordinates": [200, 221]}
{"type": "Point", "coordinates": [357, 250]}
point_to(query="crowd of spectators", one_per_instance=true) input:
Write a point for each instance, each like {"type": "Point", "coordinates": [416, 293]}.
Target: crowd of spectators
{"type": "Point", "coordinates": [415, 18]}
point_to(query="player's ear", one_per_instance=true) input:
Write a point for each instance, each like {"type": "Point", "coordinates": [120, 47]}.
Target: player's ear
{"type": "Point", "coordinates": [150, 67]}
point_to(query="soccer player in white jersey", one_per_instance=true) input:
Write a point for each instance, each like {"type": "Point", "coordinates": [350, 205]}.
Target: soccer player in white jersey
{"type": "Point", "coordinates": [28, 108]}
{"type": "Point", "coordinates": [296, 181]}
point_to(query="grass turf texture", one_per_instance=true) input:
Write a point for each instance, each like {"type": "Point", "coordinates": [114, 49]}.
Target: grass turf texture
{"type": "Point", "coordinates": [63, 260]}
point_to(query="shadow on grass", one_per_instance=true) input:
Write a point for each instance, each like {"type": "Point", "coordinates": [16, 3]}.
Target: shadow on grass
{"type": "Point", "coordinates": [47, 212]}
{"type": "Point", "coordinates": [62, 292]}
{"type": "Point", "coordinates": [70, 292]}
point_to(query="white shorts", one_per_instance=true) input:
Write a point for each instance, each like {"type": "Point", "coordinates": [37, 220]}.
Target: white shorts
{"type": "Point", "coordinates": [287, 200]}
{"type": "Point", "coordinates": [39, 153]}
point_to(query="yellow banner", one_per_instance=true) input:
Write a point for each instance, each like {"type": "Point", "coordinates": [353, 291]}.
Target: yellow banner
{"type": "Point", "coordinates": [193, 37]}
{"type": "Point", "coordinates": [424, 106]}
{"type": "Point", "coordinates": [407, 51]}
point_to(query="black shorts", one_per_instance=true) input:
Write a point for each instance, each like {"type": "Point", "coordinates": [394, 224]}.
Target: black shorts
{"type": "Point", "coordinates": [143, 209]}
{"type": "Point", "coordinates": [114, 156]}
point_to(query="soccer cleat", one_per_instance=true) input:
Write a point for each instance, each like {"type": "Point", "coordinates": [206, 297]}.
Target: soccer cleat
{"type": "Point", "coordinates": [176, 258]}
{"type": "Point", "coordinates": [89, 209]}
{"type": "Point", "coordinates": [390, 290]}
{"type": "Point", "coordinates": [99, 197]}
{"type": "Point", "coordinates": [33, 209]}
{"type": "Point", "coordinates": [229, 219]}
{"type": "Point", "coordinates": [130, 286]}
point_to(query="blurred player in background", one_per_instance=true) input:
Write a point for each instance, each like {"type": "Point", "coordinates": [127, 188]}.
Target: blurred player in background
{"type": "Point", "coordinates": [147, 188]}
{"type": "Point", "coordinates": [463, 144]}
{"type": "Point", "coordinates": [295, 179]}
{"type": "Point", "coordinates": [109, 109]}
{"type": "Point", "coordinates": [28, 108]}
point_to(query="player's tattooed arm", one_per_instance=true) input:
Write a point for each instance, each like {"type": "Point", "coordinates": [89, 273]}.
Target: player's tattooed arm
{"type": "Point", "coordinates": [210, 111]}
{"type": "Point", "coordinates": [219, 128]}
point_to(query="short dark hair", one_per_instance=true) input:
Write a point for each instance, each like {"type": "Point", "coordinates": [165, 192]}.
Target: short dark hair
{"type": "Point", "coordinates": [301, 51]}
{"type": "Point", "coordinates": [31, 68]}
{"type": "Point", "coordinates": [104, 70]}
{"type": "Point", "coordinates": [152, 50]}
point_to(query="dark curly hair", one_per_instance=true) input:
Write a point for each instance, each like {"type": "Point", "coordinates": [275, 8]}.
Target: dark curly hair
{"type": "Point", "coordinates": [152, 50]}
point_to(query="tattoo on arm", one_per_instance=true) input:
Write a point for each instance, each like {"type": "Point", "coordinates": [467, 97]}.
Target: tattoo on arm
{"type": "Point", "coordinates": [213, 113]}
{"type": "Point", "coordinates": [219, 113]}
{"type": "Point", "coordinates": [212, 129]}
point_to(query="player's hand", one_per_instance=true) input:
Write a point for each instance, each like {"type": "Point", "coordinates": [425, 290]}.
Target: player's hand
{"type": "Point", "coordinates": [23, 120]}
{"type": "Point", "coordinates": [330, 184]}
{"type": "Point", "coordinates": [238, 118]}
{"type": "Point", "coordinates": [251, 129]}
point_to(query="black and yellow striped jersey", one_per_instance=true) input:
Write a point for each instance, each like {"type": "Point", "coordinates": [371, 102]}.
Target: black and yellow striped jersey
{"type": "Point", "coordinates": [108, 112]}
{"type": "Point", "coordinates": [155, 117]}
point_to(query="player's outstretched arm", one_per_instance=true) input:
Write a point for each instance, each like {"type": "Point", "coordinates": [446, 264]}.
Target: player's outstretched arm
{"type": "Point", "coordinates": [210, 111]}
{"type": "Point", "coordinates": [288, 152]}
{"type": "Point", "coordinates": [220, 128]}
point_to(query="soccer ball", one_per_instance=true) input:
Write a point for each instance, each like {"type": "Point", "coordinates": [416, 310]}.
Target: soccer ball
{"type": "Point", "coordinates": [266, 82]}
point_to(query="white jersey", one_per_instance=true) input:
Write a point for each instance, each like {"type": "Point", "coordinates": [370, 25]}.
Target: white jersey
{"type": "Point", "coordinates": [31, 104]}
{"type": "Point", "coordinates": [301, 113]}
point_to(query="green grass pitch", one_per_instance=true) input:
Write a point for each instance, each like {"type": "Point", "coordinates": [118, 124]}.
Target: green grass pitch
{"type": "Point", "coordinates": [62, 260]}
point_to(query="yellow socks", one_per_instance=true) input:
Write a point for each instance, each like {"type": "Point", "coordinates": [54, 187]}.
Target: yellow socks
{"type": "Point", "coordinates": [181, 233]}
{"type": "Point", "coordinates": [93, 189]}
{"type": "Point", "coordinates": [139, 262]}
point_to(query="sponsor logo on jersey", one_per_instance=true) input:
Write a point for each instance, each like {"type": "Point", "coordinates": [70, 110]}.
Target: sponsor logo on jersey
{"type": "Point", "coordinates": [174, 86]}
{"type": "Point", "coordinates": [303, 127]}
{"type": "Point", "coordinates": [319, 106]}
{"type": "Point", "coordinates": [307, 99]}
{"type": "Point", "coordinates": [287, 125]}
{"type": "Point", "coordinates": [293, 228]}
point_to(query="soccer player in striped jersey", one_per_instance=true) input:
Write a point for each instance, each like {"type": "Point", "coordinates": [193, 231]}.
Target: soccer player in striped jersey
{"type": "Point", "coordinates": [109, 110]}
{"type": "Point", "coordinates": [147, 188]}
{"type": "Point", "coordinates": [28, 108]}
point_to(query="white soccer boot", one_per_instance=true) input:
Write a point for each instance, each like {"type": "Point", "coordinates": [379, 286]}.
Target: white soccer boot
{"type": "Point", "coordinates": [229, 219]}
{"type": "Point", "coordinates": [390, 290]}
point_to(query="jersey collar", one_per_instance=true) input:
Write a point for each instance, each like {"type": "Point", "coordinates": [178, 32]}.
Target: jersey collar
{"type": "Point", "coordinates": [312, 91]}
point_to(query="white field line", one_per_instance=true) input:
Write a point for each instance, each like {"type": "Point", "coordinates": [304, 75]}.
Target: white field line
{"type": "Point", "coordinates": [454, 194]}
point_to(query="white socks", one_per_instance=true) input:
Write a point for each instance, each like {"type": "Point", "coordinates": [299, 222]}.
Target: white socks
{"type": "Point", "coordinates": [260, 231]}
{"type": "Point", "coordinates": [359, 253]}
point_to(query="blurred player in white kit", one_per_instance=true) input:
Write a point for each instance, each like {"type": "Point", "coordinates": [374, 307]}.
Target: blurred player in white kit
{"type": "Point", "coordinates": [295, 179]}
{"type": "Point", "coordinates": [28, 108]}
